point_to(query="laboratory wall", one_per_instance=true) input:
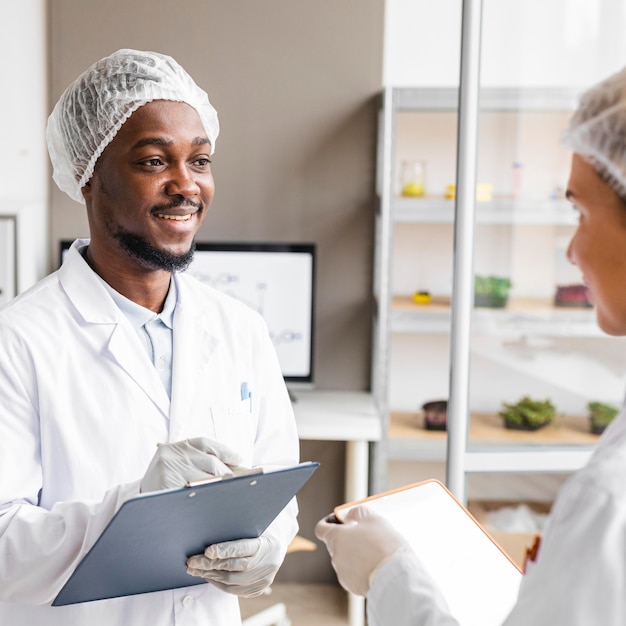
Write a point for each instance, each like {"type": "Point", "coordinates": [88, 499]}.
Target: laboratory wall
{"type": "Point", "coordinates": [294, 84]}
{"type": "Point", "coordinates": [23, 158]}
{"type": "Point", "coordinates": [574, 42]}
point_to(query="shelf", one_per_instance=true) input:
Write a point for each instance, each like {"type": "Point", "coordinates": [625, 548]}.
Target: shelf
{"type": "Point", "coordinates": [491, 99]}
{"type": "Point", "coordinates": [520, 316]}
{"type": "Point", "coordinates": [491, 447]}
{"type": "Point", "coordinates": [500, 210]}
{"type": "Point", "coordinates": [409, 317]}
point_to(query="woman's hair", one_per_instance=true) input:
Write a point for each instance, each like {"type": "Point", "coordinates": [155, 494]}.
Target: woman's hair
{"type": "Point", "coordinates": [597, 130]}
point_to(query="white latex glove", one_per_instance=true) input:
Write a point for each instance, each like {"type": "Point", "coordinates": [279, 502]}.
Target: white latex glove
{"type": "Point", "coordinates": [359, 547]}
{"type": "Point", "coordinates": [174, 464]}
{"type": "Point", "coordinates": [245, 567]}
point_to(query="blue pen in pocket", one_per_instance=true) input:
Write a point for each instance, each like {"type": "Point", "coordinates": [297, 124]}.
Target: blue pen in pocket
{"type": "Point", "coordinates": [246, 394]}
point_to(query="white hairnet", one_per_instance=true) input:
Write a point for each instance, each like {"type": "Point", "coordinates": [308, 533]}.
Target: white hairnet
{"type": "Point", "coordinates": [597, 130]}
{"type": "Point", "coordinates": [94, 107]}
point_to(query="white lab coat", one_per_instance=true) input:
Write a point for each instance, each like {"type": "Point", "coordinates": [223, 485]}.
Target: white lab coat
{"type": "Point", "coordinates": [579, 578]}
{"type": "Point", "coordinates": [81, 412]}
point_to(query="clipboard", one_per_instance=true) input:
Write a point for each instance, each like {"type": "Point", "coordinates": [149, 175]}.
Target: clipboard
{"type": "Point", "coordinates": [145, 546]}
{"type": "Point", "coordinates": [478, 580]}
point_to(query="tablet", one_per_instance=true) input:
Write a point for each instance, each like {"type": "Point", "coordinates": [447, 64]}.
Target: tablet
{"type": "Point", "coordinates": [146, 544]}
{"type": "Point", "coordinates": [476, 577]}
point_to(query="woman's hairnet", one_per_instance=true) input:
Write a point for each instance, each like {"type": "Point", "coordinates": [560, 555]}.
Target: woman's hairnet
{"type": "Point", "coordinates": [94, 107]}
{"type": "Point", "coordinates": [597, 130]}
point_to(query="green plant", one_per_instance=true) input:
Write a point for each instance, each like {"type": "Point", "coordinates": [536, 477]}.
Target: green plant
{"type": "Point", "coordinates": [491, 291]}
{"type": "Point", "coordinates": [527, 414]}
{"type": "Point", "coordinates": [492, 286]}
{"type": "Point", "coordinates": [601, 415]}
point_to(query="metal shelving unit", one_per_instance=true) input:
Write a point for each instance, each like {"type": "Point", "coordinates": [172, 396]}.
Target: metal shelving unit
{"type": "Point", "coordinates": [397, 314]}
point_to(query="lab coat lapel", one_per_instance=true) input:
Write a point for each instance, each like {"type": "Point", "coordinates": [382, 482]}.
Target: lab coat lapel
{"type": "Point", "coordinates": [97, 308]}
{"type": "Point", "coordinates": [194, 345]}
{"type": "Point", "coordinates": [124, 347]}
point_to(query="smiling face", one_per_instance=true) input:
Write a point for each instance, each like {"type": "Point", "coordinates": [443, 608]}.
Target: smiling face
{"type": "Point", "coordinates": [598, 246]}
{"type": "Point", "coordinates": [150, 191]}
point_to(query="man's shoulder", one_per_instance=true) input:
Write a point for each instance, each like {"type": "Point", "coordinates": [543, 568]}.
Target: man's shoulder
{"type": "Point", "coordinates": [33, 314]}
{"type": "Point", "coordinates": [34, 297]}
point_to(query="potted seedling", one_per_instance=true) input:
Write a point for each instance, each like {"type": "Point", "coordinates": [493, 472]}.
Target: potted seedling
{"type": "Point", "coordinates": [435, 415]}
{"type": "Point", "coordinates": [600, 416]}
{"type": "Point", "coordinates": [491, 291]}
{"type": "Point", "coordinates": [527, 414]}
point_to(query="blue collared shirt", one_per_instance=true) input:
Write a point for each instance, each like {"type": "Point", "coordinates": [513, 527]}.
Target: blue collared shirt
{"type": "Point", "coordinates": [156, 331]}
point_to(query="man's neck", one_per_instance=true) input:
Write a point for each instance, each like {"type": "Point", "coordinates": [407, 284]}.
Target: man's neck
{"type": "Point", "coordinates": [147, 288]}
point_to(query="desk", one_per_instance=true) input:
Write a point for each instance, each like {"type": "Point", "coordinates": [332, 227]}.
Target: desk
{"type": "Point", "coordinates": [349, 416]}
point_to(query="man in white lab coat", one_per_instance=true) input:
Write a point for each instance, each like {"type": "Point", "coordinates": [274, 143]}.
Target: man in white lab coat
{"type": "Point", "coordinates": [579, 577]}
{"type": "Point", "coordinates": [119, 373]}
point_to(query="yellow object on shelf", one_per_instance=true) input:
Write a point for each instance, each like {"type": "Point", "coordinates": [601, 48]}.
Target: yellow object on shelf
{"type": "Point", "coordinates": [421, 297]}
{"type": "Point", "coordinates": [413, 190]}
{"type": "Point", "coordinates": [412, 179]}
{"type": "Point", "coordinates": [484, 192]}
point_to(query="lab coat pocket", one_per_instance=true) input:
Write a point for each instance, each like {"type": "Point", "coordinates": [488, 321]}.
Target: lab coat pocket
{"type": "Point", "coordinates": [236, 427]}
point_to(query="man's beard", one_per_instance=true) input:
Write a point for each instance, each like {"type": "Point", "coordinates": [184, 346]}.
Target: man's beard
{"type": "Point", "coordinates": [140, 249]}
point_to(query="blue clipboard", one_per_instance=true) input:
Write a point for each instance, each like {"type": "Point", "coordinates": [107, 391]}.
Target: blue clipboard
{"type": "Point", "coordinates": [146, 544]}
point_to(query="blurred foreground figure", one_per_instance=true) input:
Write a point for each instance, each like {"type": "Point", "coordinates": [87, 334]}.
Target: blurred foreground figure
{"type": "Point", "coordinates": [579, 577]}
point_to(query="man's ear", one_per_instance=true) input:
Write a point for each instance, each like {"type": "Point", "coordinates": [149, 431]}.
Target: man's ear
{"type": "Point", "coordinates": [86, 190]}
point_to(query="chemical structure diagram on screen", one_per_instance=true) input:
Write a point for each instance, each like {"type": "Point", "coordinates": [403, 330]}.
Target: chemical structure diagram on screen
{"type": "Point", "coordinates": [254, 294]}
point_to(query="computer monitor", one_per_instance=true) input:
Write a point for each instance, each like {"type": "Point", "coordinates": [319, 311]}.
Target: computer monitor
{"type": "Point", "coordinates": [278, 281]}
{"type": "Point", "coordinates": [275, 279]}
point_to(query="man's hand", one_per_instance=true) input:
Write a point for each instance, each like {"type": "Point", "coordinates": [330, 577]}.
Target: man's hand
{"type": "Point", "coordinates": [245, 567]}
{"type": "Point", "coordinates": [174, 464]}
{"type": "Point", "coordinates": [359, 547]}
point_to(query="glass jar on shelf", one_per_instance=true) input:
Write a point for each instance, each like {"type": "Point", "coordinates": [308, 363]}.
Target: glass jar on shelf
{"type": "Point", "coordinates": [412, 178]}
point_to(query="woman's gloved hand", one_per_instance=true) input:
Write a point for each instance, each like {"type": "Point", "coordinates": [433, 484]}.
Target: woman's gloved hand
{"type": "Point", "coordinates": [174, 464]}
{"type": "Point", "coordinates": [245, 567]}
{"type": "Point", "coordinates": [359, 547]}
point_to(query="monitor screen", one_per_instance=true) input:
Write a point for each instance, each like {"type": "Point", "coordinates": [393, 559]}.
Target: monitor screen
{"type": "Point", "coordinates": [278, 281]}
{"type": "Point", "coordinates": [275, 279]}
{"type": "Point", "coordinates": [64, 246]}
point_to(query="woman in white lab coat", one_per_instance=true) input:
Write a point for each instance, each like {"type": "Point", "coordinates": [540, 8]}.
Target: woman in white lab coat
{"type": "Point", "coordinates": [82, 407]}
{"type": "Point", "coordinates": [579, 576]}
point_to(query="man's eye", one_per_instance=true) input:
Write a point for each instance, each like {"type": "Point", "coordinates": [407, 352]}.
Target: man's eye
{"type": "Point", "coordinates": [153, 162]}
{"type": "Point", "coordinates": [202, 162]}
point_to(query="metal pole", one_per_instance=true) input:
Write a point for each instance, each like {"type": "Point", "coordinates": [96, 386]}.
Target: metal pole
{"type": "Point", "coordinates": [463, 277]}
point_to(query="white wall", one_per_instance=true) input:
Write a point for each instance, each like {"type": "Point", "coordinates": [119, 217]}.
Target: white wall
{"type": "Point", "coordinates": [23, 112]}
{"type": "Point", "coordinates": [569, 43]}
